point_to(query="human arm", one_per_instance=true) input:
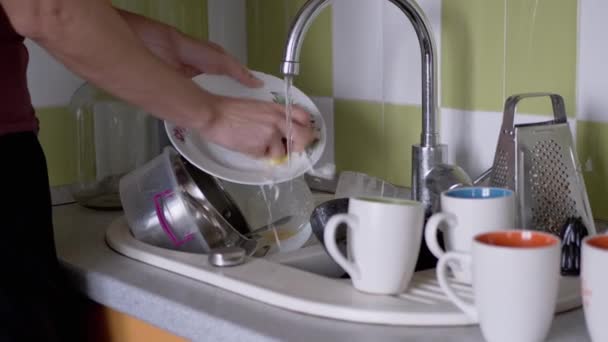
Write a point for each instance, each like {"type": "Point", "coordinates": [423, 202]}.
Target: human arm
{"type": "Point", "coordinates": [93, 40]}
{"type": "Point", "coordinates": [187, 55]}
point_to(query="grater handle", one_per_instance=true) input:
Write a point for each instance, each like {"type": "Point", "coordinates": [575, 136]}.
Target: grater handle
{"type": "Point", "coordinates": [559, 109]}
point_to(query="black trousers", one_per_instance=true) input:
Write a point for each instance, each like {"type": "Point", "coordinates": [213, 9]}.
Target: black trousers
{"type": "Point", "coordinates": [34, 300]}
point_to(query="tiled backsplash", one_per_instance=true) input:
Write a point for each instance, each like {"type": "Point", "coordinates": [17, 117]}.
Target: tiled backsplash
{"type": "Point", "coordinates": [51, 85]}
{"type": "Point", "coordinates": [486, 51]}
{"type": "Point", "coordinates": [361, 64]}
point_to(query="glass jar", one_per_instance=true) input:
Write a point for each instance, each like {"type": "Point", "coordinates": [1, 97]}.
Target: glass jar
{"type": "Point", "coordinates": [113, 138]}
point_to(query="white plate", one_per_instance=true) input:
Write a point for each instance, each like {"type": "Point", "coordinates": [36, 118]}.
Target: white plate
{"type": "Point", "coordinates": [237, 167]}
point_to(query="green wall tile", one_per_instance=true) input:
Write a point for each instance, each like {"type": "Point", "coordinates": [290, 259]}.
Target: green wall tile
{"type": "Point", "coordinates": [189, 16]}
{"type": "Point", "coordinates": [58, 138]}
{"type": "Point", "coordinates": [359, 133]}
{"type": "Point", "coordinates": [402, 125]}
{"type": "Point", "coordinates": [541, 50]}
{"type": "Point", "coordinates": [472, 61]}
{"type": "Point", "coordinates": [592, 145]}
{"type": "Point", "coordinates": [266, 31]}
{"type": "Point", "coordinates": [267, 25]}
{"type": "Point", "coordinates": [376, 139]}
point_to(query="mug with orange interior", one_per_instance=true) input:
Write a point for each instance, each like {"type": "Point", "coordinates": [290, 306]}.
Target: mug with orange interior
{"type": "Point", "coordinates": [594, 277]}
{"type": "Point", "coordinates": [515, 283]}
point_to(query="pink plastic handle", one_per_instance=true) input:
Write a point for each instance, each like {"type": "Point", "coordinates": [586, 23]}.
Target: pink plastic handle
{"type": "Point", "coordinates": [160, 213]}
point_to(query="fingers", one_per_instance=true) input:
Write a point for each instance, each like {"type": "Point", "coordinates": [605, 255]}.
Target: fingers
{"type": "Point", "coordinates": [276, 148]}
{"type": "Point", "coordinates": [259, 128]}
{"type": "Point", "coordinates": [216, 47]}
{"type": "Point", "coordinates": [302, 136]}
{"type": "Point", "coordinates": [240, 73]}
{"type": "Point", "coordinates": [298, 114]}
{"type": "Point", "coordinates": [302, 133]}
{"type": "Point", "coordinates": [189, 71]}
{"type": "Point", "coordinates": [211, 58]}
{"type": "Point", "coordinates": [230, 66]}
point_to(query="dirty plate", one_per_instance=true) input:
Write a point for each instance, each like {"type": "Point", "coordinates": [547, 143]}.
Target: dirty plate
{"type": "Point", "coordinates": [237, 167]}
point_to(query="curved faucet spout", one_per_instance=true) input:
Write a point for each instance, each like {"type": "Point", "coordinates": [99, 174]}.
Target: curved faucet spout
{"type": "Point", "coordinates": [295, 38]}
{"type": "Point", "coordinates": [414, 13]}
{"type": "Point", "coordinates": [429, 153]}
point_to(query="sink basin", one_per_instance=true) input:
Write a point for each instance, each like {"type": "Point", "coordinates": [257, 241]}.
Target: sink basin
{"type": "Point", "coordinates": [312, 257]}
{"type": "Point", "coordinates": [308, 281]}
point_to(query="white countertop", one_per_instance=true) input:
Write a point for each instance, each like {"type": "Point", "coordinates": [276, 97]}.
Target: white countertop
{"type": "Point", "coordinates": [199, 311]}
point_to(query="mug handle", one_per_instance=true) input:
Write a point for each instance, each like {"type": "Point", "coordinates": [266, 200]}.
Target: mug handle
{"type": "Point", "coordinates": [430, 231]}
{"type": "Point", "coordinates": [329, 236]}
{"type": "Point", "coordinates": [442, 277]}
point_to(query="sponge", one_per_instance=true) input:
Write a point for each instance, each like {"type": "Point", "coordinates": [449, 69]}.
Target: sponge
{"type": "Point", "coordinates": [278, 160]}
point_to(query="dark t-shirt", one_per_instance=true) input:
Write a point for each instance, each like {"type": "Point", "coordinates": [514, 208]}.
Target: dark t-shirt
{"type": "Point", "coordinates": [16, 111]}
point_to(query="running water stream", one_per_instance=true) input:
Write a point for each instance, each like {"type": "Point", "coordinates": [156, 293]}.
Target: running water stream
{"type": "Point", "coordinates": [288, 118]}
{"type": "Point", "coordinates": [271, 192]}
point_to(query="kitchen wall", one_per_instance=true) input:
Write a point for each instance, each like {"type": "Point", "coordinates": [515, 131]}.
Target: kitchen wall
{"type": "Point", "coordinates": [370, 72]}
{"type": "Point", "coordinates": [361, 65]}
{"type": "Point", "coordinates": [51, 85]}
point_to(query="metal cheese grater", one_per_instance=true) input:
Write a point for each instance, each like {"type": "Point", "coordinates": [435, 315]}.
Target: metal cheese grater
{"type": "Point", "coordinates": [539, 162]}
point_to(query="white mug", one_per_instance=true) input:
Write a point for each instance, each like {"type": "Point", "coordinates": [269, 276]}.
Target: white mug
{"type": "Point", "coordinates": [383, 241]}
{"type": "Point", "coordinates": [515, 283]}
{"type": "Point", "coordinates": [594, 279]}
{"type": "Point", "coordinates": [466, 212]}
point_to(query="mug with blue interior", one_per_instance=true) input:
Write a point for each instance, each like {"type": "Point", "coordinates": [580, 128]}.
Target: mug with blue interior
{"type": "Point", "coordinates": [466, 212]}
{"type": "Point", "coordinates": [478, 192]}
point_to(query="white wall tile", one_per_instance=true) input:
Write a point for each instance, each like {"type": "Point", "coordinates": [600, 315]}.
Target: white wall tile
{"type": "Point", "coordinates": [472, 136]}
{"type": "Point", "coordinates": [357, 49]}
{"type": "Point", "coordinates": [401, 52]}
{"type": "Point", "coordinates": [50, 83]}
{"type": "Point", "coordinates": [228, 26]}
{"type": "Point", "coordinates": [592, 89]}
{"type": "Point", "coordinates": [326, 106]}
{"type": "Point", "coordinates": [376, 50]}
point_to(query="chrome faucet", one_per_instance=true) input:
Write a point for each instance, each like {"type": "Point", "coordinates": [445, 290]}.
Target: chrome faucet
{"type": "Point", "coordinates": [429, 153]}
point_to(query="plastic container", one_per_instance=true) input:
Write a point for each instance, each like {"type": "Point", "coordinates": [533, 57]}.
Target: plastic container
{"type": "Point", "coordinates": [157, 208]}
